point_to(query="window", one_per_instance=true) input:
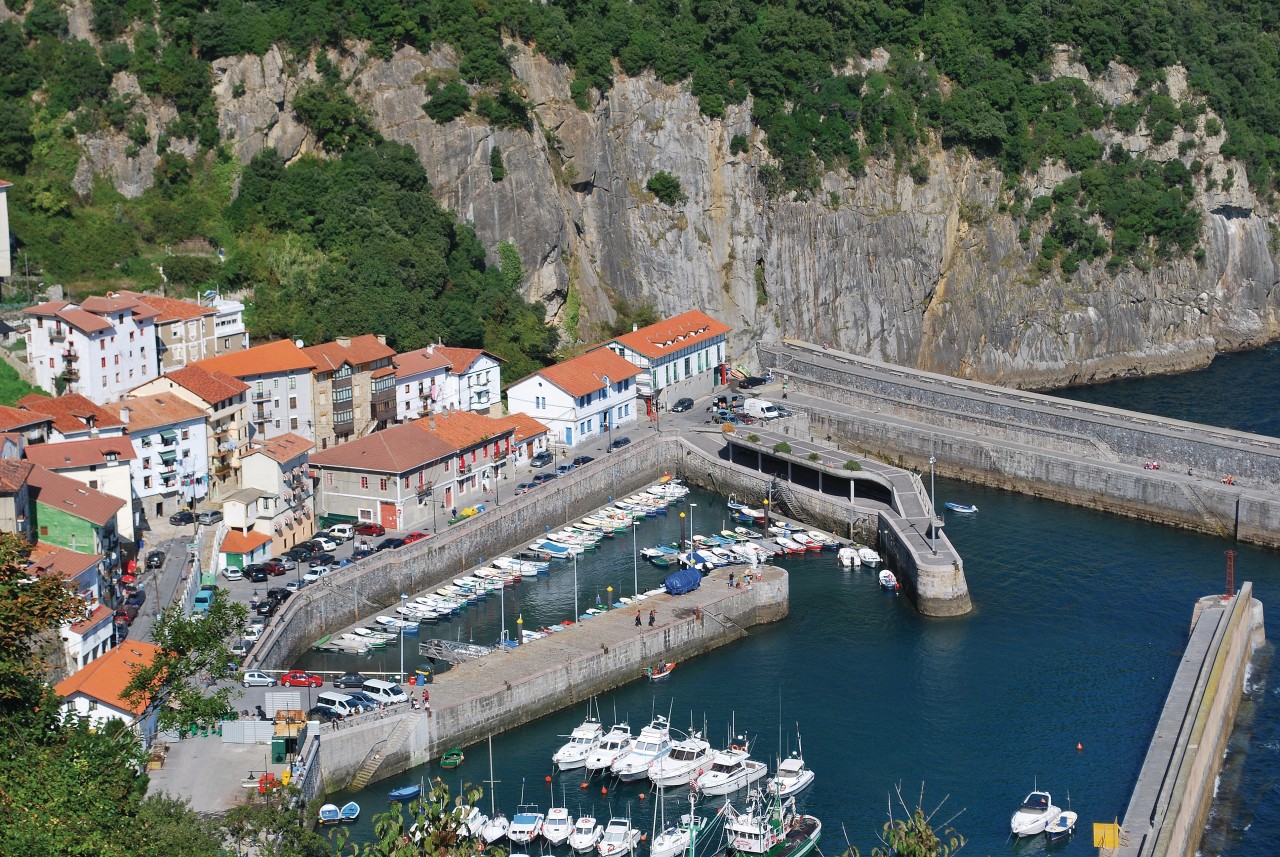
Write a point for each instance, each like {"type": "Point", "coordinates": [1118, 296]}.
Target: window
{"type": "Point", "coordinates": [186, 434]}
{"type": "Point", "coordinates": [406, 483]}
{"type": "Point", "coordinates": [146, 442]}
{"type": "Point", "coordinates": [259, 388]}
{"type": "Point", "coordinates": [50, 362]}
{"type": "Point", "coordinates": [102, 345]}
{"type": "Point", "coordinates": [342, 394]}
{"type": "Point", "coordinates": [226, 342]}
{"type": "Point", "coordinates": [422, 479]}
{"type": "Point", "coordinates": [328, 478]}
{"type": "Point", "coordinates": [345, 416]}
{"type": "Point", "coordinates": [688, 364]}
{"type": "Point", "coordinates": [275, 383]}
{"type": "Point", "coordinates": [382, 484]}
{"type": "Point", "coordinates": [344, 372]}
{"type": "Point", "coordinates": [293, 382]}
{"type": "Point", "coordinates": [117, 360]}
{"type": "Point", "coordinates": [104, 362]}
{"type": "Point", "coordinates": [364, 481]}
{"type": "Point", "coordinates": [44, 531]}
{"type": "Point", "coordinates": [293, 422]}
{"type": "Point", "coordinates": [277, 424]}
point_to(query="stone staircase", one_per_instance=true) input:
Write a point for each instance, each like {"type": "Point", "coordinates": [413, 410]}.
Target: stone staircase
{"type": "Point", "coordinates": [379, 752]}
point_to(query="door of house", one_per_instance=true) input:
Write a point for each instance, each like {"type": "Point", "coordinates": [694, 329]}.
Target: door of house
{"type": "Point", "coordinates": [387, 514]}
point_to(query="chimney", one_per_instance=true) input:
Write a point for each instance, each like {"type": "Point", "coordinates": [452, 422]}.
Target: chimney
{"type": "Point", "coordinates": [124, 414]}
{"type": "Point", "coordinates": [344, 341]}
{"type": "Point", "coordinates": [382, 339]}
{"type": "Point", "coordinates": [431, 421]}
{"type": "Point", "coordinates": [634, 327]}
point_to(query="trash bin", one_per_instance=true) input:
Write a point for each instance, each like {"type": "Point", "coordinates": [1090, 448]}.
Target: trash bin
{"type": "Point", "coordinates": [425, 675]}
{"type": "Point", "coordinates": [278, 754]}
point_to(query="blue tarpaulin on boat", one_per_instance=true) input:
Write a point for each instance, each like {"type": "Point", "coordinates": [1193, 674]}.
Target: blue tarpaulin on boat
{"type": "Point", "coordinates": [683, 581]}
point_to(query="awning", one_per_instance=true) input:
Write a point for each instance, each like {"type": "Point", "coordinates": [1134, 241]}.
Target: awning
{"type": "Point", "coordinates": [327, 521]}
{"type": "Point", "coordinates": [168, 456]}
{"type": "Point", "coordinates": [169, 436]}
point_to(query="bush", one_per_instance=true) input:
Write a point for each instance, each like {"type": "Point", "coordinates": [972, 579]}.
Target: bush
{"type": "Point", "coordinates": [852, 465]}
{"type": "Point", "coordinates": [738, 144]}
{"type": "Point", "coordinates": [666, 188]}
{"type": "Point", "coordinates": [813, 456]}
{"type": "Point", "coordinates": [754, 438]}
{"type": "Point", "coordinates": [497, 169]}
{"type": "Point", "coordinates": [448, 103]}
{"type": "Point", "coordinates": [782, 447]}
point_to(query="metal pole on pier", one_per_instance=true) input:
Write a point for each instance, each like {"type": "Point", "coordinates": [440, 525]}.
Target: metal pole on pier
{"type": "Point", "coordinates": [403, 599]}
{"type": "Point", "coordinates": [576, 613]}
{"type": "Point", "coordinates": [635, 556]}
{"type": "Point", "coordinates": [933, 511]}
{"type": "Point", "coordinates": [692, 506]}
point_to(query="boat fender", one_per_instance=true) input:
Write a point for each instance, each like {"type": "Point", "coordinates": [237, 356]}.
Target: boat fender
{"type": "Point", "coordinates": [734, 747]}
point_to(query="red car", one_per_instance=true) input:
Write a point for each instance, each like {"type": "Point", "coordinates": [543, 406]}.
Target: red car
{"type": "Point", "coordinates": [301, 678]}
{"type": "Point", "coordinates": [371, 529]}
{"type": "Point", "coordinates": [416, 537]}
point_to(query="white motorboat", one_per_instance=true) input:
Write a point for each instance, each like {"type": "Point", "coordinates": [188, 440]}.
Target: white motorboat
{"type": "Point", "coordinates": [619, 838]}
{"type": "Point", "coordinates": [789, 545]}
{"type": "Point", "coordinates": [821, 538]}
{"type": "Point", "coordinates": [1061, 825]}
{"type": "Point", "coordinates": [1036, 812]}
{"type": "Point", "coordinates": [792, 777]}
{"type": "Point", "coordinates": [848, 557]}
{"type": "Point", "coordinates": [394, 623]}
{"type": "Point", "coordinates": [584, 738]}
{"type": "Point", "coordinates": [557, 826]}
{"type": "Point", "coordinates": [586, 833]}
{"type": "Point", "coordinates": [653, 742]}
{"type": "Point", "coordinates": [731, 770]}
{"type": "Point", "coordinates": [888, 580]}
{"type": "Point", "coordinates": [612, 746]}
{"type": "Point", "coordinates": [680, 766]}
{"type": "Point", "coordinates": [869, 558]}
{"type": "Point", "coordinates": [495, 829]}
{"type": "Point", "coordinates": [526, 824]}
{"type": "Point", "coordinates": [471, 820]}
{"type": "Point", "coordinates": [674, 839]}
{"type": "Point", "coordinates": [805, 540]}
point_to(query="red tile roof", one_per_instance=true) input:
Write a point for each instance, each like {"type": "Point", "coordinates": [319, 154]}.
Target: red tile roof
{"type": "Point", "coordinates": [462, 429]}
{"type": "Point", "coordinates": [71, 412]}
{"type": "Point", "coordinates": [168, 309]}
{"type": "Point", "coordinates": [525, 426]}
{"type": "Point", "coordinates": [584, 374]}
{"type": "Point", "coordinates": [117, 304]}
{"type": "Point", "coordinates": [80, 453]}
{"type": "Point", "coordinates": [238, 542]}
{"type": "Point", "coordinates": [16, 418]}
{"type": "Point", "coordinates": [461, 359]}
{"type": "Point", "coordinates": [106, 678]}
{"type": "Point", "coordinates": [398, 449]}
{"type": "Point", "coordinates": [363, 349]}
{"type": "Point", "coordinates": [212, 387]}
{"type": "Point", "coordinates": [59, 492]}
{"type": "Point", "coordinates": [14, 474]}
{"type": "Point", "coordinates": [154, 410]}
{"type": "Point", "coordinates": [83, 321]}
{"type": "Point", "coordinates": [266, 359]}
{"type": "Point", "coordinates": [284, 448]}
{"type": "Point", "coordinates": [419, 362]}
{"type": "Point", "coordinates": [100, 616]}
{"type": "Point", "coordinates": [673, 334]}
{"type": "Point", "coordinates": [46, 559]}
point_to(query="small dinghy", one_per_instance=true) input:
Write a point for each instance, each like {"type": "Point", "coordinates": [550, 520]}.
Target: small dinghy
{"type": "Point", "coordinates": [330, 814]}
{"type": "Point", "coordinates": [350, 811]}
{"type": "Point", "coordinates": [661, 671]}
{"type": "Point", "coordinates": [960, 507]}
{"type": "Point", "coordinates": [452, 758]}
{"type": "Point", "coordinates": [405, 792]}
{"type": "Point", "coordinates": [1061, 826]}
{"type": "Point", "coordinates": [888, 580]}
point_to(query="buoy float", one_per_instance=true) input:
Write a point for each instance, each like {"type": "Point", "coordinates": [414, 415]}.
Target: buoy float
{"type": "Point", "coordinates": [604, 790]}
{"type": "Point", "coordinates": [644, 837]}
{"type": "Point", "coordinates": [582, 786]}
{"type": "Point", "coordinates": [641, 795]}
{"type": "Point", "coordinates": [548, 778]}
{"type": "Point", "coordinates": [1079, 747]}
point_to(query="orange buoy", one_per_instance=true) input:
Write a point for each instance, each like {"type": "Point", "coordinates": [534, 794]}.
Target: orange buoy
{"type": "Point", "coordinates": [548, 778]}
{"type": "Point", "coordinates": [583, 786]}
{"type": "Point", "coordinates": [603, 790]}
{"type": "Point", "coordinates": [1079, 747]}
{"type": "Point", "coordinates": [644, 837]}
{"type": "Point", "coordinates": [641, 795]}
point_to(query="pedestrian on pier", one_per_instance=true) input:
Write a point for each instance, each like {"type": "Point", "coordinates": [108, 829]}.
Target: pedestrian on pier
{"type": "Point", "coordinates": [653, 617]}
{"type": "Point", "coordinates": [637, 618]}
{"type": "Point", "coordinates": [731, 580]}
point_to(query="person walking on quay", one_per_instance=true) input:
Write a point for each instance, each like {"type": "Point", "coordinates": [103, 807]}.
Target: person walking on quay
{"type": "Point", "coordinates": [637, 618]}
{"type": "Point", "coordinates": [653, 617]}
{"type": "Point", "coordinates": [731, 580]}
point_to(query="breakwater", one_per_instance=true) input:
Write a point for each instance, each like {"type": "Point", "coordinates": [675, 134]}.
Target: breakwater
{"type": "Point", "coordinates": [1075, 453]}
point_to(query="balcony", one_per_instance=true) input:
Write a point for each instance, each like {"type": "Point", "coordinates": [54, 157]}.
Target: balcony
{"type": "Point", "coordinates": [260, 395]}
{"type": "Point", "coordinates": [71, 373]}
{"type": "Point", "coordinates": [70, 355]}
{"type": "Point", "coordinates": [221, 431]}
{"type": "Point", "coordinates": [261, 417]}
{"type": "Point", "coordinates": [57, 334]}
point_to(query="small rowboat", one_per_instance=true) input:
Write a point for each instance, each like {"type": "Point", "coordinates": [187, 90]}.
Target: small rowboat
{"type": "Point", "coordinates": [452, 758]}
{"type": "Point", "coordinates": [330, 814]}
{"type": "Point", "coordinates": [960, 507]}
{"type": "Point", "coordinates": [662, 671]}
{"type": "Point", "coordinates": [405, 792]}
{"type": "Point", "coordinates": [350, 811]}
{"type": "Point", "coordinates": [1061, 826]}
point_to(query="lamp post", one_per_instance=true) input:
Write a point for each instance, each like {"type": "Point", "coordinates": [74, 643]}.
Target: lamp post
{"type": "Point", "coordinates": [502, 609]}
{"type": "Point", "coordinates": [766, 515]}
{"type": "Point", "coordinates": [635, 556]}
{"type": "Point", "coordinates": [682, 542]}
{"type": "Point", "coordinates": [609, 594]}
{"type": "Point", "coordinates": [403, 600]}
{"type": "Point", "coordinates": [933, 511]}
{"type": "Point", "coordinates": [576, 613]}
{"type": "Point", "coordinates": [692, 506]}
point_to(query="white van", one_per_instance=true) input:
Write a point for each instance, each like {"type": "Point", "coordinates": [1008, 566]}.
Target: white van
{"type": "Point", "coordinates": [339, 702]}
{"type": "Point", "coordinates": [385, 691]}
{"type": "Point", "coordinates": [761, 409]}
{"type": "Point", "coordinates": [342, 532]}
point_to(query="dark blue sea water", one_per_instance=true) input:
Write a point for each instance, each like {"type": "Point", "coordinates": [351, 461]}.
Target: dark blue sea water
{"type": "Point", "coordinates": [1079, 622]}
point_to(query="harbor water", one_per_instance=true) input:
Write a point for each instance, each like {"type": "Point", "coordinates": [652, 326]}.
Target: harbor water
{"type": "Point", "coordinates": [1079, 621]}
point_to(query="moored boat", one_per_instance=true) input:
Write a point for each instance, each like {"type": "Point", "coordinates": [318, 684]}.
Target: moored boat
{"type": "Point", "coordinates": [1061, 826]}
{"type": "Point", "coordinates": [848, 557]}
{"type": "Point", "coordinates": [405, 792]}
{"type": "Point", "coordinates": [350, 811]}
{"type": "Point", "coordinates": [661, 671]}
{"type": "Point", "coordinates": [557, 826]}
{"type": "Point", "coordinates": [526, 824]}
{"type": "Point", "coordinates": [680, 766]}
{"type": "Point", "coordinates": [888, 580]}
{"type": "Point", "coordinates": [770, 828]}
{"type": "Point", "coordinates": [731, 770]}
{"type": "Point", "coordinates": [613, 745]}
{"type": "Point", "coordinates": [960, 507]}
{"type": "Point", "coordinates": [586, 833]}
{"type": "Point", "coordinates": [653, 742]}
{"type": "Point", "coordinates": [330, 814]}
{"type": "Point", "coordinates": [573, 753]}
{"type": "Point", "coordinates": [792, 777]}
{"type": "Point", "coordinates": [619, 838]}
{"type": "Point", "coordinates": [1036, 811]}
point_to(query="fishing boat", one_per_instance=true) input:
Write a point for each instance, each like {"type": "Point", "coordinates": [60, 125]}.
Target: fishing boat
{"type": "Point", "coordinates": [452, 758]}
{"type": "Point", "coordinates": [674, 839]}
{"type": "Point", "coordinates": [496, 828]}
{"type": "Point", "coordinates": [770, 828]}
{"type": "Point", "coordinates": [616, 743]}
{"type": "Point", "coordinates": [747, 532]}
{"type": "Point", "coordinates": [788, 545]}
{"type": "Point", "coordinates": [661, 671]}
{"type": "Point", "coordinates": [681, 765]}
{"type": "Point", "coordinates": [330, 814]}
{"type": "Point", "coordinates": [1035, 813]}
{"type": "Point", "coordinates": [807, 541]}
{"type": "Point", "coordinates": [960, 507]}
{"type": "Point", "coordinates": [557, 826]}
{"type": "Point", "coordinates": [350, 811]}
{"type": "Point", "coordinates": [470, 820]}
{"type": "Point", "coordinates": [582, 740]}
{"type": "Point", "coordinates": [888, 580]}
{"type": "Point", "coordinates": [653, 742]}
{"type": "Point", "coordinates": [1061, 826]}
{"type": "Point", "coordinates": [848, 557]}
{"type": "Point", "coordinates": [405, 792]}
{"type": "Point", "coordinates": [731, 770]}
{"type": "Point", "coordinates": [619, 838]}
{"type": "Point", "coordinates": [586, 833]}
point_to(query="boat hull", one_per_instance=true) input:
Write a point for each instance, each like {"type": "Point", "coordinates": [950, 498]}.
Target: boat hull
{"type": "Point", "coordinates": [801, 840]}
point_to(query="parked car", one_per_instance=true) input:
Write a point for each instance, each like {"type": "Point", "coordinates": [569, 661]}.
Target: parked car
{"type": "Point", "coordinates": [325, 543]}
{"type": "Point", "coordinates": [301, 678]}
{"type": "Point", "coordinates": [295, 585]}
{"type": "Point", "coordinates": [354, 680]}
{"type": "Point", "coordinates": [323, 713]}
{"type": "Point", "coordinates": [369, 528]}
{"type": "Point", "coordinates": [136, 597]}
{"type": "Point", "coordinates": [298, 553]}
{"type": "Point", "coordinates": [253, 633]}
{"type": "Point", "coordinates": [342, 532]}
{"type": "Point", "coordinates": [268, 607]}
{"type": "Point", "coordinates": [365, 701]}
{"type": "Point", "coordinates": [284, 562]}
{"type": "Point", "coordinates": [563, 469]}
{"type": "Point", "coordinates": [682, 405]}
{"type": "Point", "coordinates": [389, 544]}
{"type": "Point", "coordinates": [204, 600]}
{"type": "Point", "coordinates": [362, 553]}
{"type": "Point", "coordinates": [620, 442]}
{"type": "Point", "coordinates": [186, 516]}
{"type": "Point", "coordinates": [240, 648]}
{"type": "Point", "coordinates": [321, 559]}
{"type": "Point", "coordinates": [232, 573]}
{"type": "Point", "coordinates": [524, 487]}
{"type": "Point", "coordinates": [752, 381]}
{"type": "Point", "coordinates": [155, 559]}
{"type": "Point", "coordinates": [208, 516]}
{"type": "Point", "coordinates": [541, 459]}
{"type": "Point", "coordinates": [257, 573]}
{"type": "Point", "coordinates": [257, 678]}
{"type": "Point", "coordinates": [416, 536]}
{"type": "Point", "coordinates": [315, 573]}
{"type": "Point", "coordinates": [126, 614]}
{"type": "Point", "coordinates": [582, 459]}
{"type": "Point", "coordinates": [544, 477]}
{"type": "Point", "coordinates": [278, 592]}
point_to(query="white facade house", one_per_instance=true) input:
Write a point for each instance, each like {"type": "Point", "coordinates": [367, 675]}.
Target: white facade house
{"type": "Point", "coordinates": [279, 375]}
{"type": "Point", "coordinates": [100, 349]}
{"type": "Point", "coordinates": [96, 692]}
{"type": "Point", "coordinates": [420, 383]}
{"type": "Point", "coordinates": [579, 399]}
{"type": "Point", "coordinates": [279, 469]}
{"type": "Point", "coordinates": [473, 381]}
{"type": "Point", "coordinates": [91, 637]}
{"type": "Point", "coordinates": [681, 356]}
{"type": "Point", "coordinates": [6, 269]}
{"type": "Point", "coordinates": [170, 437]}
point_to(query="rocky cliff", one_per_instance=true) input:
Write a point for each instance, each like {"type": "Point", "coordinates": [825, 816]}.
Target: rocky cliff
{"type": "Point", "coordinates": [876, 264]}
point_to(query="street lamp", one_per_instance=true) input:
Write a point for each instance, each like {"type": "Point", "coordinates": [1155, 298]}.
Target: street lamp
{"type": "Point", "coordinates": [576, 614]}
{"type": "Point", "coordinates": [403, 599]}
{"type": "Point", "coordinates": [635, 557]}
{"type": "Point", "coordinates": [692, 506]}
{"type": "Point", "coordinates": [766, 515]}
{"type": "Point", "coordinates": [502, 609]}
{"type": "Point", "coordinates": [609, 594]}
{"type": "Point", "coordinates": [682, 542]}
{"type": "Point", "coordinates": [933, 511]}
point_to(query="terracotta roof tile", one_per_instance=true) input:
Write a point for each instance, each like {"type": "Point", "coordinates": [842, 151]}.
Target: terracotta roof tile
{"type": "Point", "coordinates": [584, 374]}
{"type": "Point", "coordinates": [100, 616]}
{"type": "Point", "coordinates": [363, 349]}
{"type": "Point", "coordinates": [284, 448]}
{"type": "Point", "coordinates": [419, 362]}
{"type": "Point", "coordinates": [212, 387]}
{"type": "Point", "coordinates": [169, 309]}
{"type": "Point", "coordinates": [398, 449]}
{"type": "Point", "coordinates": [71, 412]}
{"type": "Point", "coordinates": [238, 542]}
{"type": "Point", "coordinates": [106, 678]}
{"type": "Point", "coordinates": [154, 410]}
{"type": "Point", "coordinates": [46, 308]}
{"type": "Point", "coordinates": [673, 334]}
{"type": "Point", "coordinates": [117, 304]}
{"type": "Point", "coordinates": [59, 492]}
{"type": "Point", "coordinates": [46, 559]}
{"type": "Point", "coordinates": [16, 418]}
{"type": "Point", "coordinates": [462, 359]}
{"type": "Point", "coordinates": [462, 429]}
{"type": "Point", "coordinates": [83, 321]}
{"type": "Point", "coordinates": [525, 426]}
{"type": "Point", "coordinates": [266, 359]}
{"type": "Point", "coordinates": [14, 474]}
{"type": "Point", "coordinates": [80, 453]}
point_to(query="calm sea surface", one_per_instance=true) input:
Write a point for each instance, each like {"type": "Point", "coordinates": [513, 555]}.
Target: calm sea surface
{"type": "Point", "coordinates": [1079, 621]}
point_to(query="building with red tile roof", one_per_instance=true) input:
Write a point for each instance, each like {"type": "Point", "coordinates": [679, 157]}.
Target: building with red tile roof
{"type": "Point", "coordinates": [70, 515]}
{"type": "Point", "coordinates": [16, 505]}
{"type": "Point", "coordinates": [96, 692]}
{"type": "Point", "coordinates": [170, 438]}
{"type": "Point", "coordinates": [280, 470]}
{"type": "Point", "coordinates": [473, 381]}
{"type": "Point", "coordinates": [99, 349]}
{"type": "Point", "coordinates": [187, 331]}
{"type": "Point", "coordinates": [579, 399]}
{"type": "Point", "coordinates": [31, 426]}
{"type": "Point", "coordinates": [483, 446]}
{"type": "Point", "coordinates": [92, 634]}
{"type": "Point", "coordinates": [281, 387]}
{"type": "Point", "coordinates": [74, 417]}
{"type": "Point", "coordinates": [528, 438]}
{"type": "Point", "coordinates": [348, 401]}
{"type": "Point", "coordinates": [682, 356]}
{"type": "Point", "coordinates": [101, 463]}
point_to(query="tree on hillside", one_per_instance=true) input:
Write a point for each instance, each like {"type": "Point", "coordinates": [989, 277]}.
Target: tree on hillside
{"type": "Point", "coordinates": [31, 606]}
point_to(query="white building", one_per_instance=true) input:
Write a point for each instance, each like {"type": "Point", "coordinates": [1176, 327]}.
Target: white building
{"type": "Point", "coordinates": [681, 356]}
{"type": "Point", "coordinates": [92, 636]}
{"type": "Point", "coordinates": [187, 331]}
{"type": "Point", "coordinates": [72, 417]}
{"type": "Point", "coordinates": [279, 375]}
{"type": "Point", "coordinates": [473, 381]}
{"type": "Point", "coordinates": [420, 383]}
{"type": "Point", "coordinates": [5, 266]}
{"type": "Point", "coordinates": [579, 399]}
{"type": "Point", "coordinates": [170, 468]}
{"type": "Point", "coordinates": [279, 469]}
{"type": "Point", "coordinates": [96, 692]}
{"type": "Point", "coordinates": [100, 349]}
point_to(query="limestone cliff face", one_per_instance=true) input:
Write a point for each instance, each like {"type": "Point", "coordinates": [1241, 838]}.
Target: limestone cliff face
{"type": "Point", "coordinates": [874, 264]}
